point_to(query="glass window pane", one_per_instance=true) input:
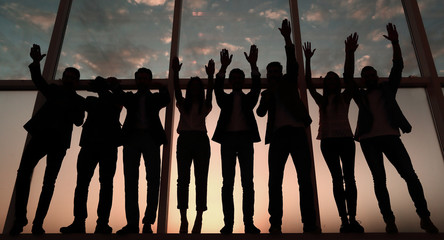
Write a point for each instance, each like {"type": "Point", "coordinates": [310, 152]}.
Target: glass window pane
{"type": "Point", "coordinates": [23, 23]}
{"type": "Point", "coordinates": [327, 24]}
{"type": "Point", "coordinates": [210, 26]}
{"type": "Point", "coordinates": [213, 217]}
{"type": "Point", "coordinates": [431, 12]}
{"type": "Point", "coordinates": [114, 38]}
{"type": "Point", "coordinates": [17, 109]}
{"type": "Point", "coordinates": [423, 148]}
{"type": "Point", "coordinates": [61, 210]}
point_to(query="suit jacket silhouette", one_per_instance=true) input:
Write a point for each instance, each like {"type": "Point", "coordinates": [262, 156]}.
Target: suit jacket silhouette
{"type": "Point", "coordinates": [54, 120]}
{"type": "Point", "coordinates": [225, 102]}
{"type": "Point", "coordinates": [153, 103]}
{"type": "Point", "coordinates": [287, 90]}
{"type": "Point", "coordinates": [102, 126]}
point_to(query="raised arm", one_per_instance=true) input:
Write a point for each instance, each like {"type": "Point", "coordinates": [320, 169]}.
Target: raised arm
{"type": "Point", "coordinates": [34, 67]}
{"type": "Point", "coordinates": [225, 60]}
{"type": "Point", "coordinates": [255, 75]}
{"type": "Point", "coordinates": [398, 64]}
{"type": "Point", "coordinates": [175, 67]}
{"type": "Point", "coordinates": [308, 53]}
{"type": "Point", "coordinates": [351, 44]}
{"type": "Point", "coordinates": [292, 64]}
{"type": "Point", "coordinates": [210, 73]}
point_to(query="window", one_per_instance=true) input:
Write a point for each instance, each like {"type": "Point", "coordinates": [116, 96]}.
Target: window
{"type": "Point", "coordinates": [114, 38]}
{"type": "Point", "coordinates": [433, 22]}
{"type": "Point", "coordinates": [327, 24]}
{"type": "Point", "coordinates": [23, 23]}
{"type": "Point", "coordinates": [423, 148]}
{"type": "Point", "coordinates": [17, 109]}
{"type": "Point", "coordinates": [210, 26]}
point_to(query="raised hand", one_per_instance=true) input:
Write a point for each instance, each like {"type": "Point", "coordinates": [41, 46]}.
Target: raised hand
{"type": "Point", "coordinates": [285, 29]}
{"type": "Point", "coordinates": [225, 58]}
{"type": "Point", "coordinates": [210, 68]}
{"type": "Point", "coordinates": [351, 43]}
{"type": "Point", "coordinates": [35, 53]}
{"type": "Point", "coordinates": [307, 50]}
{"type": "Point", "coordinates": [252, 58]}
{"type": "Point", "coordinates": [176, 66]}
{"type": "Point", "coordinates": [392, 33]}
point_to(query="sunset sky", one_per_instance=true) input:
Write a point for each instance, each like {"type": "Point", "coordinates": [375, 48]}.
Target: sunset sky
{"type": "Point", "coordinates": [114, 38]}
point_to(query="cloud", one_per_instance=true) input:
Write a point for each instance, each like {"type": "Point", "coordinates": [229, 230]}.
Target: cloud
{"type": "Point", "coordinates": [197, 4]}
{"type": "Point", "coordinates": [151, 3]}
{"type": "Point", "coordinates": [363, 61]}
{"type": "Point", "coordinates": [252, 41]}
{"type": "Point", "coordinates": [315, 14]}
{"type": "Point", "coordinates": [274, 15]}
{"type": "Point", "coordinates": [170, 6]}
{"type": "Point", "coordinates": [119, 59]}
{"type": "Point", "coordinates": [360, 14]}
{"type": "Point", "coordinates": [230, 47]}
{"type": "Point", "coordinates": [387, 11]}
{"type": "Point", "coordinates": [42, 19]}
{"type": "Point", "coordinates": [220, 28]}
{"type": "Point", "coordinates": [376, 35]}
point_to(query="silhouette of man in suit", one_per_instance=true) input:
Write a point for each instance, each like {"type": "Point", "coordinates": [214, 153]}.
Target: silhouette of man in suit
{"type": "Point", "coordinates": [379, 121]}
{"type": "Point", "coordinates": [143, 134]}
{"type": "Point", "coordinates": [50, 129]}
{"type": "Point", "coordinates": [101, 136]}
{"type": "Point", "coordinates": [286, 134]}
{"type": "Point", "coordinates": [236, 131]}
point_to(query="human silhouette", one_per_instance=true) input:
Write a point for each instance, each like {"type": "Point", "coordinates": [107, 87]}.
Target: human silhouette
{"type": "Point", "coordinates": [101, 136]}
{"type": "Point", "coordinates": [193, 144]}
{"type": "Point", "coordinates": [236, 131]}
{"type": "Point", "coordinates": [337, 143]}
{"type": "Point", "coordinates": [50, 129]}
{"type": "Point", "coordinates": [286, 134]}
{"type": "Point", "coordinates": [143, 134]}
{"type": "Point", "coordinates": [379, 121]}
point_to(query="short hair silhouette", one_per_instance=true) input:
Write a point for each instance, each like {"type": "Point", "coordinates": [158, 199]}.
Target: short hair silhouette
{"type": "Point", "coordinates": [236, 71]}
{"type": "Point", "coordinates": [276, 65]}
{"type": "Point", "coordinates": [144, 70]}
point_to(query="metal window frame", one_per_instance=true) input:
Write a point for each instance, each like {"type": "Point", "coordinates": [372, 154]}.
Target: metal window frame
{"type": "Point", "coordinates": [429, 80]}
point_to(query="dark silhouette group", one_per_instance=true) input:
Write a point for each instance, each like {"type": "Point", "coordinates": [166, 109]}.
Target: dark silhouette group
{"type": "Point", "coordinates": [380, 120]}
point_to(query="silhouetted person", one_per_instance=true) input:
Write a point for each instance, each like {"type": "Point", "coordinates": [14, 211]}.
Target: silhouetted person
{"type": "Point", "coordinates": [101, 136]}
{"type": "Point", "coordinates": [193, 144]}
{"type": "Point", "coordinates": [143, 134]}
{"type": "Point", "coordinates": [337, 143]}
{"type": "Point", "coordinates": [236, 131]}
{"type": "Point", "coordinates": [50, 129]}
{"type": "Point", "coordinates": [286, 134]}
{"type": "Point", "coordinates": [379, 121]}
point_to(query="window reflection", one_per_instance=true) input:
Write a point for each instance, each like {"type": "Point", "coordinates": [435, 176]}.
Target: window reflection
{"type": "Point", "coordinates": [209, 26]}
{"type": "Point", "coordinates": [114, 38]}
{"type": "Point", "coordinates": [23, 22]}
{"type": "Point", "coordinates": [327, 24]}
{"type": "Point", "coordinates": [431, 12]}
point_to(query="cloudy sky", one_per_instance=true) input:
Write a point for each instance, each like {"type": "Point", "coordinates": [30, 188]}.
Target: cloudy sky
{"type": "Point", "coordinates": [115, 37]}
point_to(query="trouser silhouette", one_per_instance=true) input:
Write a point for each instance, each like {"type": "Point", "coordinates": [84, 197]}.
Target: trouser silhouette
{"type": "Point", "coordinates": [290, 141]}
{"type": "Point", "coordinates": [139, 144]}
{"type": "Point", "coordinates": [237, 145]}
{"type": "Point", "coordinates": [36, 149]}
{"type": "Point", "coordinates": [192, 147]}
{"type": "Point", "coordinates": [335, 151]}
{"type": "Point", "coordinates": [393, 148]}
{"type": "Point", "coordinates": [88, 159]}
